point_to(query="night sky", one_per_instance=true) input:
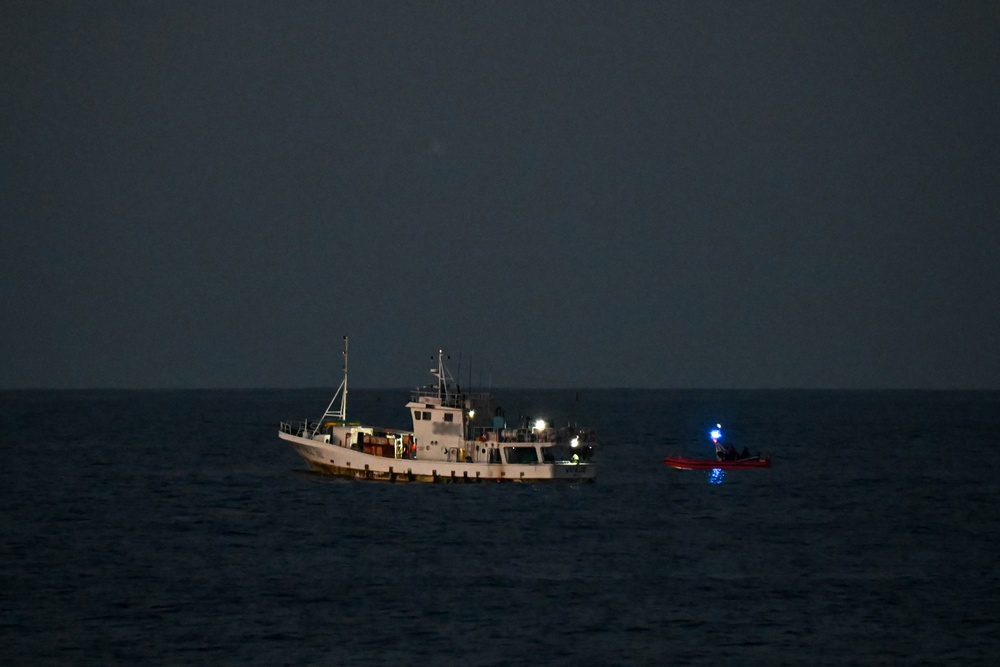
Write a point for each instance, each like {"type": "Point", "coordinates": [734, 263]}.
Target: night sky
{"type": "Point", "coordinates": [559, 194]}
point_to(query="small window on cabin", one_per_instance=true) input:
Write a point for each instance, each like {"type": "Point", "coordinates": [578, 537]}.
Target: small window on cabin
{"type": "Point", "coordinates": [427, 415]}
{"type": "Point", "coordinates": [449, 417]}
{"type": "Point", "coordinates": [416, 415]}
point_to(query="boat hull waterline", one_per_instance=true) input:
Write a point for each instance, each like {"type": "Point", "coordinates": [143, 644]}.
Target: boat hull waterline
{"type": "Point", "coordinates": [344, 462]}
{"type": "Point", "coordinates": [682, 463]}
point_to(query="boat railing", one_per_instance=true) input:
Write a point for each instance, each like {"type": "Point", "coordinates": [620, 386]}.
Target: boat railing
{"type": "Point", "coordinates": [446, 400]}
{"type": "Point", "coordinates": [452, 398]}
{"type": "Point", "coordinates": [302, 428]}
{"type": "Point", "coordinates": [286, 427]}
{"type": "Point", "coordinates": [549, 435]}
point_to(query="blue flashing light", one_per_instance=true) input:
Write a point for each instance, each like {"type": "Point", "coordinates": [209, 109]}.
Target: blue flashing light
{"type": "Point", "coordinates": [716, 433]}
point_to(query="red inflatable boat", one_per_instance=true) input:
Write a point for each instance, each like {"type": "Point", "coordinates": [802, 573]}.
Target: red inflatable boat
{"type": "Point", "coordinates": [682, 463]}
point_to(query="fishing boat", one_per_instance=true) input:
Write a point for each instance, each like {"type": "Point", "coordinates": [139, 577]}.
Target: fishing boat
{"type": "Point", "coordinates": [683, 463]}
{"type": "Point", "coordinates": [456, 437]}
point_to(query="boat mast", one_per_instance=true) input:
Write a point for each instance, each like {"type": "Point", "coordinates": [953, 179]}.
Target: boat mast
{"type": "Point", "coordinates": [445, 381]}
{"type": "Point", "coordinates": [339, 415]}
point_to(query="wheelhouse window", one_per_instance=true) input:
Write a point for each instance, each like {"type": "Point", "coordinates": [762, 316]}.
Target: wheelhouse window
{"type": "Point", "coordinates": [521, 454]}
{"type": "Point", "coordinates": [427, 415]}
{"type": "Point", "coordinates": [448, 417]}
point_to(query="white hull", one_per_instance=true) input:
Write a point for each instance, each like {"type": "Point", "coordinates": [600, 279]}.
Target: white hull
{"type": "Point", "coordinates": [334, 459]}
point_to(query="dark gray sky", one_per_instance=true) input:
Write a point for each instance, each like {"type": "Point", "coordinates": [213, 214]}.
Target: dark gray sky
{"type": "Point", "coordinates": [654, 194]}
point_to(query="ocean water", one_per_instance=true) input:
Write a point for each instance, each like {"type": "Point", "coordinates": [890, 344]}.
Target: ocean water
{"type": "Point", "coordinates": [174, 528]}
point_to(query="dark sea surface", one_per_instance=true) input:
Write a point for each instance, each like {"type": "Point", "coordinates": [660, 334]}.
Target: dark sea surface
{"type": "Point", "coordinates": [173, 528]}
